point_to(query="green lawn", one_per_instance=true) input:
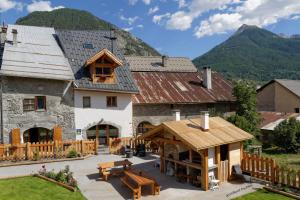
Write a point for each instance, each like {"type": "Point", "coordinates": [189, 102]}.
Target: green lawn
{"type": "Point", "coordinates": [36, 189]}
{"type": "Point", "coordinates": [264, 195]}
{"type": "Point", "coordinates": [286, 160]}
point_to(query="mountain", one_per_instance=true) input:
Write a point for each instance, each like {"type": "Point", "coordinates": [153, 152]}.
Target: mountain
{"type": "Point", "coordinates": [82, 20]}
{"type": "Point", "coordinates": [255, 54]}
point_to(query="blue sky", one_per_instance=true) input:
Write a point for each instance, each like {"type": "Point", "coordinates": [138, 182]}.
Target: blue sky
{"type": "Point", "coordinates": [176, 27]}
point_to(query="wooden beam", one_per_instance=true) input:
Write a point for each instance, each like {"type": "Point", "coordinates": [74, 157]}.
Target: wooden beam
{"type": "Point", "coordinates": [163, 140]}
{"type": "Point", "coordinates": [204, 172]}
{"type": "Point", "coordinates": [218, 161]}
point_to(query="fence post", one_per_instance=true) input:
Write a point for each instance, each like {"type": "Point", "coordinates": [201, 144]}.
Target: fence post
{"type": "Point", "coordinates": [272, 171]}
{"type": "Point", "coordinates": [82, 147]}
{"type": "Point", "coordinates": [96, 146]}
{"type": "Point", "coordinates": [55, 149]}
{"type": "Point", "coordinates": [109, 145]}
{"type": "Point", "coordinates": [28, 151]}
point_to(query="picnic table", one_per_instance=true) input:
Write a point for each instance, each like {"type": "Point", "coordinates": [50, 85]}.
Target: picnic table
{"type": "Point", "coordinates": [141, 179]}
{"type": "Point", "coordinates": [113, 168]}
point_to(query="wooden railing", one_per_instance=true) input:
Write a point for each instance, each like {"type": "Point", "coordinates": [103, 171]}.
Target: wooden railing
{"type": "Point", "coordinates": [46, 150]}
{"type": "Point", "coordinates": [266, 169]}
{"type": "Point", "coordinates": [116, 145]}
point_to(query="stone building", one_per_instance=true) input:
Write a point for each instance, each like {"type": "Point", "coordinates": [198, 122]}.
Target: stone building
{"type": "Point", "coordinates": [173, 84]}
{"type": "Point", "coordinates": [36, 92]}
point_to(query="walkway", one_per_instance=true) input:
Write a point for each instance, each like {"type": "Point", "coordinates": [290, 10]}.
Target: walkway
{"type": "Point", "coordinates": [93, 188]}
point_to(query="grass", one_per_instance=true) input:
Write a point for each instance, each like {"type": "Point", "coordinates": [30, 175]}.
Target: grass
{"type": "Point", "coordinates": [35, 188]}
{"type": "Point", "coordinates": [262, 194]}
{"type": "Point", "coordinates": [289, 160]}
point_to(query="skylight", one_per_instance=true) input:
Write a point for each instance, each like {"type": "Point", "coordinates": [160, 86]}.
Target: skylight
{"type": "Point", "coordinates": [88, 46]}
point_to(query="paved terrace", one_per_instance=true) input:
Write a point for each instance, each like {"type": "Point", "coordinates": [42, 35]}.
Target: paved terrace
{"type": "Point", "coordinates": [93, 188]}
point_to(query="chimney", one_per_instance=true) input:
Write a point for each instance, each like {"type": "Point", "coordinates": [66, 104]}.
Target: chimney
{"type": "Point", "coordinates": [205, 121]}
{"type": "Point", "coordinates": [15, 37]}
{"type": "Point", "coordinates": [165, 60]}
{"type": "Point", "coordinates": [176, 113]}
{"type": "Point", "coordinates": [207, 77]}
{"type": "Point", "coordinates": [3, 34]}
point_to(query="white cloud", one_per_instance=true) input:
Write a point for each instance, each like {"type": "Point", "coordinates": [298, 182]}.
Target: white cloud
{"type": "Point", "coordinates": [147, 2]}
{"type": "Point", "coordinates": [41, 6]}
{"type": "Point", "coordinates": [128, 29]}
{"type": "Point", "coordinates": [140, 26]}
{"type": "Point", "coordinates": [295, 17]}
{"type": "Point", "coordinates": [182, 3]}
{"type": "Point", "coordinates": [253, 12]}
{"type": "Point", "coordinates": [158, 19]}
{"type": "Point", "coordinates": [132, 2]}
{"type": "Point", "coordinates": [129, 20]}
{"type": "Point", "coordinates": [153, 10]}
{"type": "Point", "coordinates": [6, 5]}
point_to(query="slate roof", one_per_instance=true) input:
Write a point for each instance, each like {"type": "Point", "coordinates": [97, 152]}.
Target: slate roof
{"type": "Point", "coordinates": [72, 43]}
{"type": "Point", "coordinates": [292, 85]}
{"type": "Point", "coordinates": [36, 55]}
{"type": "Point", "coordinates": [180, 87]}
{"type": "Point", "coordinates": [154, 63]}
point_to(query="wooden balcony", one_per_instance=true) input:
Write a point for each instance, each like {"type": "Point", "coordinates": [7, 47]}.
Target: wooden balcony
{"type": "Point", "coordinates": [103, 78]}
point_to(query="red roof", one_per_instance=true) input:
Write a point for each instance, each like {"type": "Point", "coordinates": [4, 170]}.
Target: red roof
{"type": "Point", "coordinates": [180, 87]}
{"type": "Point", "coordinates": [269, 117]}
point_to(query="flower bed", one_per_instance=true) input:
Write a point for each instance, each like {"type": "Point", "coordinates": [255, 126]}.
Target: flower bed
{"type": "Point", "coordinates": [63, 177]}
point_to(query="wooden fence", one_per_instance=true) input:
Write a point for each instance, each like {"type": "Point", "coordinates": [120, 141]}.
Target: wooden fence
{"type": "Point", "coordinates": [117, 145]}
{"type": "Point", "coordinates": [46, 150]}
{"type": "Point", "coordinates": [266, 169]}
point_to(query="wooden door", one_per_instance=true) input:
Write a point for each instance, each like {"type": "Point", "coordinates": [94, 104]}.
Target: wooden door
{"type": "Point", "coordinates": [223, 171]}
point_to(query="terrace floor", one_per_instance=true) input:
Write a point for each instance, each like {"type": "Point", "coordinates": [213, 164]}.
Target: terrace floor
{"type": "Point", "coordinates": [93, 188]}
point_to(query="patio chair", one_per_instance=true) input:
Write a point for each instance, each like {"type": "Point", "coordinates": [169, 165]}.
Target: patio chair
{"type": "Point", "coordinates": [214, 184]}
{"type": "Point", "coordinates": [238, 173]}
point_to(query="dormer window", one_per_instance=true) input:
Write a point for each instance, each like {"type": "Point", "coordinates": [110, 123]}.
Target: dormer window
{"type": "Point", "coordinates": [102, 67]}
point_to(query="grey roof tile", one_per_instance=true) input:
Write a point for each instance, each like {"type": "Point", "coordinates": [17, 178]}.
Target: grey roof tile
{"type": "Point", "coordinates": [72, 45]}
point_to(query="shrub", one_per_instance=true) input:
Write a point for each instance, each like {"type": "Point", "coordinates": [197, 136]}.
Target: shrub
{"type": "Point", "coordinates": [36, 155]}
{"type": "Point", "coordinates": [72, 154]}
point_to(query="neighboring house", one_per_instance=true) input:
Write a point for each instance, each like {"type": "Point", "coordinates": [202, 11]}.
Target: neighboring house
{"type": "Point", "coordinates": [279, 96]}
{"type": "Point", "coordinates": [270, 120]}
{"type": "Point", "coordinates": [103, 85]}
{"type": "Point", "coordinates": [36, 85]}
{"type": "Point", "coordinates": [169, 84]}
{"type": "Point", "coordinates": [195, 150]}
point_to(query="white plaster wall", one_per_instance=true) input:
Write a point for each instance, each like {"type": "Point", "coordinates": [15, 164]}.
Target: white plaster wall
{"type": "Point", "coordinates": [120, 116]}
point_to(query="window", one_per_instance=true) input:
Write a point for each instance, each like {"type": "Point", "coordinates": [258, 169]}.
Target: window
{"type": "Point", "coordinates": [297, 110]}
{"type": "Point", "coordinates": [86, 102]}
{"type": "Point", "coordinates": [111, 101]}
{"type": "Point", "coordinates": [40, 103]}
{"type": "Point", "coordinates": [37, 103]}
{"type": "Point", "coordinates": [103, 71]}
{"type": "Point", "coordinates": [28, 104]}
{"type": "Point", "coordinates": [88, 46]}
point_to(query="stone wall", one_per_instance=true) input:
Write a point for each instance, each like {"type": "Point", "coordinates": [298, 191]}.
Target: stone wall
{"type": "Point", "coordinates": [156, 114]}
{"type": "Point", "coordinates": [59, 109]}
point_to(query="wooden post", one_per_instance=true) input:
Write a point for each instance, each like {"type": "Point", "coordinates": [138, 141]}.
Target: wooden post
{"type": "Point", "coordinates": [82, 147]}
{"type": "Point", "coordinates": [55, 150]}
{"type": "Point", "coordinates": [28, 151]}
{"type": "Point", "coordinates": [97, 132]}
{"type": "Point", "coordinates": [218, 161]}
{"type": "Point", "coordinates": [15, 136]}
{"type": "Point", "coordinates": [162, 159]}
{"type": "Point", "coordinates": [204, 172]}
{"type": "Point", "coordinates": [96, 147]}
{"type": "Point", "coordinates": [252, 165]}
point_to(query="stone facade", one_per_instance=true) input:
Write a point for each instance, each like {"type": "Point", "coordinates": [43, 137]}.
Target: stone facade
{"type": "Point", "coordinates": [59, 108]}
{"type": "Point", "coordinates": [158, 113]}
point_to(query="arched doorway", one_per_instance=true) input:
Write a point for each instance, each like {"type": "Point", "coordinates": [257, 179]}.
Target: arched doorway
{"type": "Point", "coordinates": [37, 134]}
{"type": "Point", "coordinates": [105, 131]}
{"type": "Point", "coordinates": [143, 127]}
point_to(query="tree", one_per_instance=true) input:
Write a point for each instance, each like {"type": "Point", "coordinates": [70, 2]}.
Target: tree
{"type": "Point", "coordinates": [246, 116]}
{"type": "Point", "coordinates": [287, 135]}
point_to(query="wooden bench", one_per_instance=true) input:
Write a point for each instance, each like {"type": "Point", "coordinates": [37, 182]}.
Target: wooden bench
{"type": "Point", "coordinates": [107, 169]}
{"type": "Point", "coordinates": [135, 189]}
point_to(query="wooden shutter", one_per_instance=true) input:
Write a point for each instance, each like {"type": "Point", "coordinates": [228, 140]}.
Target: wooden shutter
{"type": "Point", "coordinates": [57, 133]}
{"type": "Point", "coordinates": [15, 136]}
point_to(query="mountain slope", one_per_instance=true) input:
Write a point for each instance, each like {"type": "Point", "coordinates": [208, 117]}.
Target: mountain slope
{"type": "Point", "coordinates": [82, 20]}
{"type": "Point", "coordinates": [255, 54]}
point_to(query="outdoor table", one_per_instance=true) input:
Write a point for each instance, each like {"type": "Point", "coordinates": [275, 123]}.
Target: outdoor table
{"type": "Point", "coordinates": [140, 180]}
{"type": "Point", "coordinates": [104, 168]}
